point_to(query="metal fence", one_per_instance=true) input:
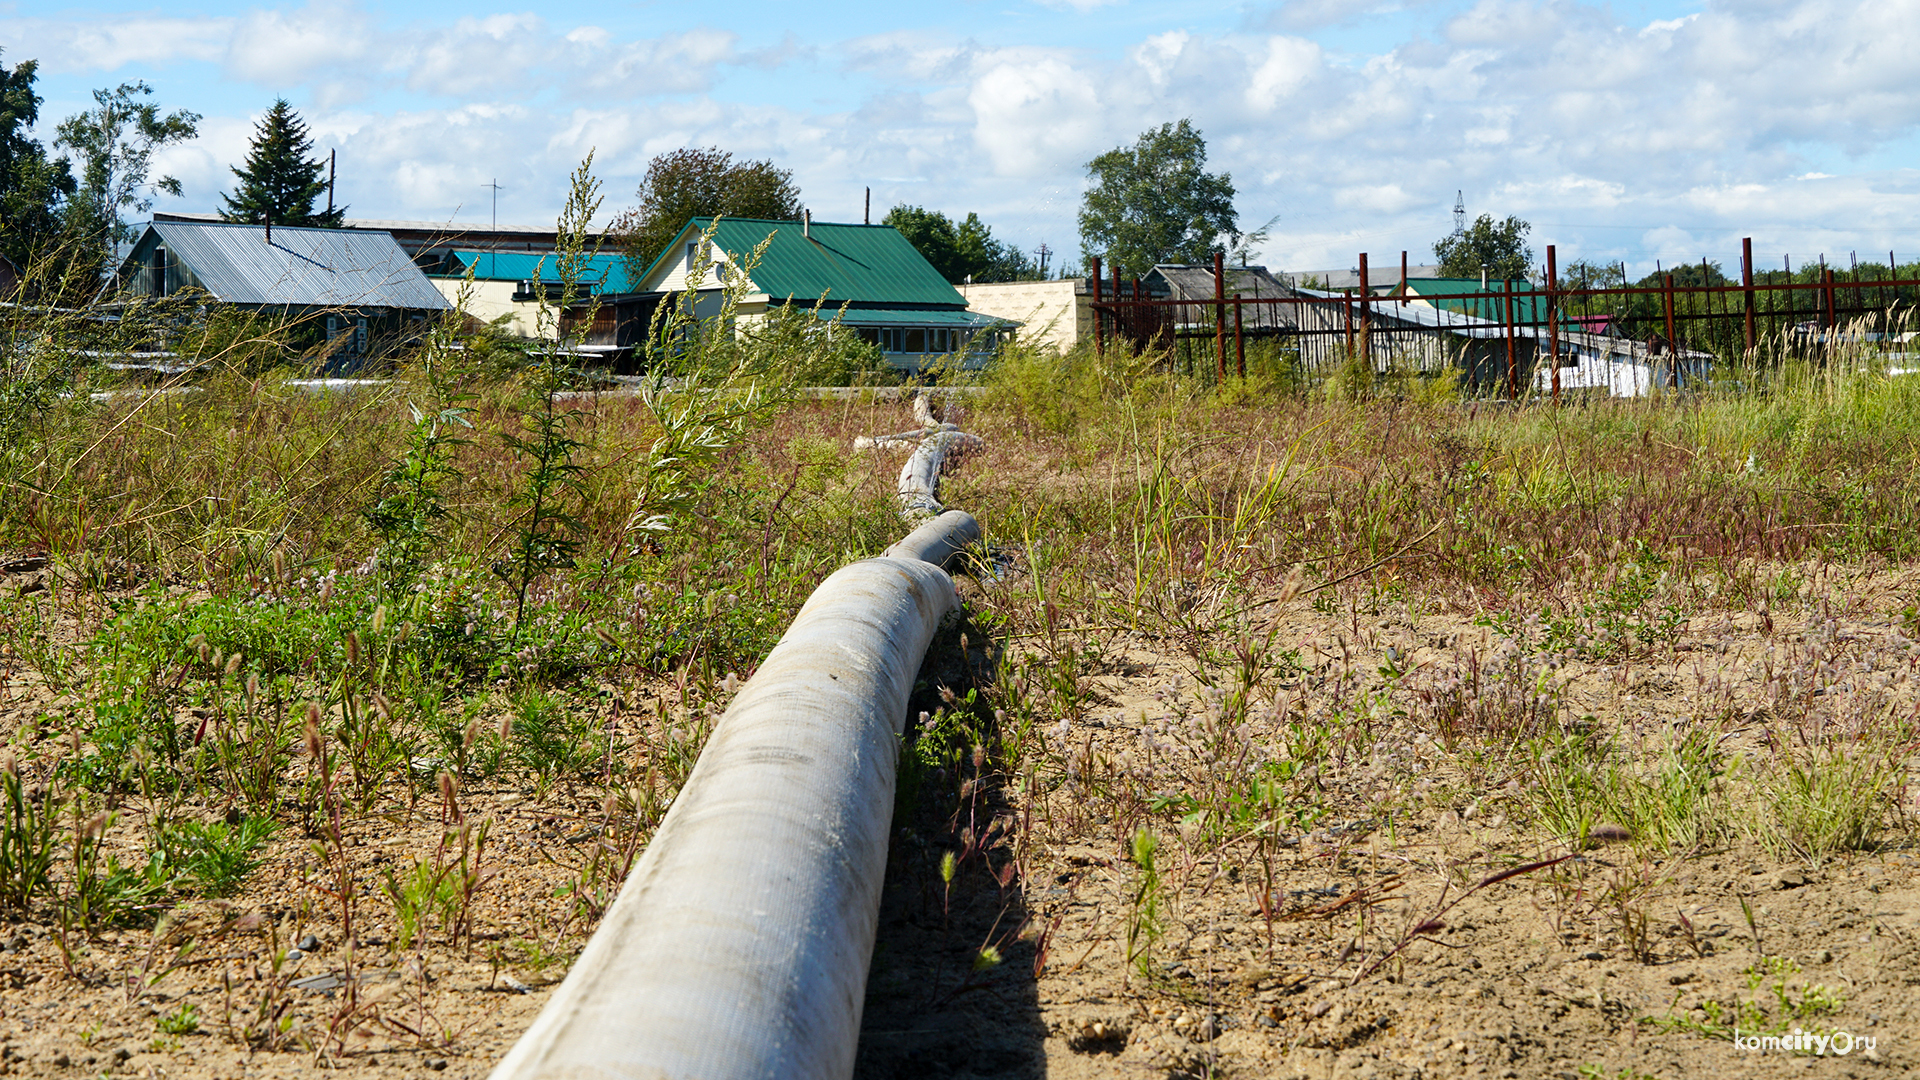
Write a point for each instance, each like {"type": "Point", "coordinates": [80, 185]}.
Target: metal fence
{"type": "Point", "coordinates": [1625, 338]}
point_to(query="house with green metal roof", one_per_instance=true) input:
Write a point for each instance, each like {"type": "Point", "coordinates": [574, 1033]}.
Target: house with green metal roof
{"type": "Point", "coordinates": [867, 276]}
{"type": "Point", "coordinates": [511, 283]}
{"type": "Point", "coordinates": [1467, 296]}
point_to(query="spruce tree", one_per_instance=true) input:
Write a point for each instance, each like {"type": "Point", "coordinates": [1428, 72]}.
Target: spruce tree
{"type": "Point", "coordinates": [279, 179]}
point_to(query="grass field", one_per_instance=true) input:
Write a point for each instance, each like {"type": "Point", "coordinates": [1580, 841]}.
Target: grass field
{"type": "Point", "coordinates": [1294, 727]}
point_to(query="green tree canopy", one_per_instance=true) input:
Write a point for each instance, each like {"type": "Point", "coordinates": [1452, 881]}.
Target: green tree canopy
{"type": "Point", "coordinates": [1687, 276]}
{"type": "Point", "coordinates": [279, 182]}
{"type": "Point", "coordinates": [33, 187]}
{"type": "Point", "coordinates": [690, 183]}
{"type": "Point", "coordinates": [1154, 202]}
{"type": "Point", "coordinates": [962, 252]}
{"type": "Point", "coordinates": [115, 142]}
{"type": "Point", "coordinates": [1500, 246]}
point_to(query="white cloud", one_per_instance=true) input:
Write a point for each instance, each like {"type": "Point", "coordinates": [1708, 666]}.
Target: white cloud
{"type": "Point", "coordinates": [1747, 118]}
{"type": "Point", "coordinates": [110, 44]}
{"type": "Point", "coordinates": [1289, 64]}
{"type": "Point", "coordinates": [1034, 113]}
{"type": "Point", "coordinates": [279, 48]}
{"type": "Point", "coordinates": [479, 56]}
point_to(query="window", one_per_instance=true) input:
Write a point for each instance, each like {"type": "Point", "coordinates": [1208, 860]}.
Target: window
{"type": "Point", "coordinates": [869, 334]}
{"type": "Point", "coordinates": [916, 341]}
{"type": "Point", "coordinates": [360, 334]}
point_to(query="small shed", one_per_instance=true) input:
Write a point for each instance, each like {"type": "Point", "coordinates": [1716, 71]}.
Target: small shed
{"type": "Point", "coordinates": [1185, 282]}
{"type": "Point", "coordinates": [360, 286]}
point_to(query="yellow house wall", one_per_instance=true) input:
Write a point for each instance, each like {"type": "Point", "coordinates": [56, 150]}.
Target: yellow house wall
{"type": "Point", "coordinates": [492, 299]}
{"type": "Point", "coordinates": [1051, 313]}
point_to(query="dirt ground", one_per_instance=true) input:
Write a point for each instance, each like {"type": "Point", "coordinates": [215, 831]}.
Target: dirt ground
{"type": "Point", "coordinates": [1370, 942]}
{"type": "Point", "coordinates": [1525, 977]}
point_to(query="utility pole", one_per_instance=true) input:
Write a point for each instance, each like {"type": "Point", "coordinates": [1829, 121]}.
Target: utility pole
{"type": "Point", "coordinates": [330, 154]}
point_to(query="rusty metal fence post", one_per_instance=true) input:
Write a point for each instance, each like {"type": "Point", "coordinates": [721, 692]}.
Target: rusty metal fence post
{"type": "Point", "coordinates": [1239, 340]}
{"type": "Point", "coordinates": [1507, 328]}
{"type": "Point", "coordinates": [1746, 282]}
{"type": "Point", "coordinates": [1220, 316]}
{"type": "Point", "coordinates": [1366, 324]}
{"type": "Point", "coordinates": [1099, 337]}
{"type": "Point", "coordinates": [1673, 338]}
{"type": "Point", "coordinates": [1553, 320]}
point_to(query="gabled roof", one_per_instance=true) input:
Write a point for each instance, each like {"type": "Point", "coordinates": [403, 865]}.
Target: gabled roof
{"type": "Point", "coordinates": [1176, 281]}
{"type": "Point", "coordinates": [1467, 297]}
{"type": "Point", "coordinates": [1185, 282]}
{"type": "Point", "coordinates": [600, 273]}
{"type": "Point", "coordinates": [237, 264]}
{"type": "Point", "coordinates": [864, 265]}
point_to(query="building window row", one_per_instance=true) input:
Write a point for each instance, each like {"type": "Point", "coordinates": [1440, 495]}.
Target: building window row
{"type": "Point", "coordinates": [915, 339]}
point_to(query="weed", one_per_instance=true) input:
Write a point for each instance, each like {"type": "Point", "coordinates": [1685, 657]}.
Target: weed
{"type": "Point", "coordinates": [551, 739]}
{"type": "Point", "coordinates": [28, 842]}
{"type": "Point", "coordinates": [1774, 1002]}
{"type": "Point", "coordinates": [410, 513]}
{"type": "Point", "coordinates": [184, 1020]}
{"type": "Point", "coordinates": [1675, 803]}
{"type": "Point", "coordinates": [1144, 918]}
{"type": "Point", "coordinates": [1814, 805]}
{"type": "Point", "coordinates": [216, 857]}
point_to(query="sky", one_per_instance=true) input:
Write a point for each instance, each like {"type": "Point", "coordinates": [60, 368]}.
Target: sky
{"type": "Point", "coordinates": [1624, 132]}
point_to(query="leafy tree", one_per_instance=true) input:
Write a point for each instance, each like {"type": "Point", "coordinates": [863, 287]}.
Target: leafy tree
{"type": "Point", "coordinates": [280, 183]}
{"type": "Point", "coordinates": [967, 251]}
{"type": "Point", "coordinates": [1500, 246]}
{"type": "Point", "coordinates": [690, 183]}
{"type": "Point", "coordinates": [1686, 276]}
{"type": "Point", "coordinates": [1586, 274]}
{"type": "Point", "coordinates": [115, 142]}
{"type": "Point", "coordinates": [1154, 202]}
{"type": "Point", "coordinates": [33, 187]}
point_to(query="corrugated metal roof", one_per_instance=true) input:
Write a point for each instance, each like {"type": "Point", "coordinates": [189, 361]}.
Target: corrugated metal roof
{"type": "Point", "coordinates": [866, 263]}
{"type": "Point", "coordinates": [1182, 282]}
{"type": "Point", "coordinates": [1467, 297]}
{"type": "Point", "coordinates": [1196, 282]}
{"type": "Point", "coordinates": [603, 272]}
{"type": "Point", "coordinates": [299, 267]}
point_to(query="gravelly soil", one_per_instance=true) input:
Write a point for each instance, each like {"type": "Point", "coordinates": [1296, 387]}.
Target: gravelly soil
{"type": "Point", "coordinates": [1527, 977]}
{"type": "Point", "coordinates": [1533, 976]}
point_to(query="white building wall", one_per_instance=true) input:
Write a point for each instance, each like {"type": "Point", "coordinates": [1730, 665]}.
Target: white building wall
{"type": "Point", "coordinates": [1050, 313]}
{"type": "Point", "coordinates": [491, 299]}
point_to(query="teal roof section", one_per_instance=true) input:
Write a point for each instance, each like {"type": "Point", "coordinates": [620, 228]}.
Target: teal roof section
{"type": "Point", "coordinates": [601, 273]}
{"type": "Point", "coordinates": [866, 264]}
{"type": "Point", "coordinates": [1467, 298]}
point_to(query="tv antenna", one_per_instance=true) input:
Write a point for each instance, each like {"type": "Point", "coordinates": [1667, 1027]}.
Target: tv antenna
{"type": "Point", "coordinates": [1459, 213]}
{"type": "Point", "coordinates": [495, 186]}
